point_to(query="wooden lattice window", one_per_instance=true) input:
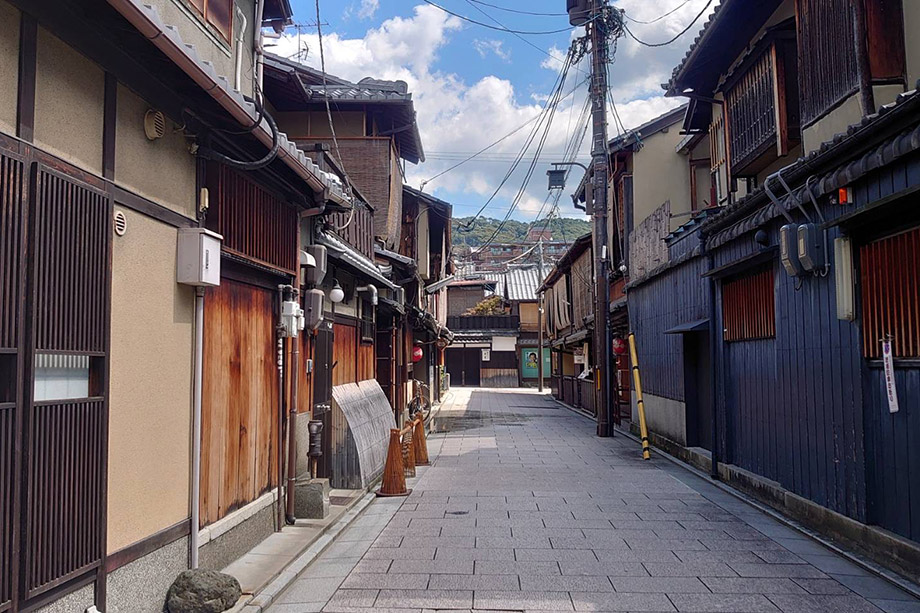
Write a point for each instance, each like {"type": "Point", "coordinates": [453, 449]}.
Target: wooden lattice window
{"type": "Point", "coordinates": [217, 13]}
{"type": "Point", "coordinates": [748, 306]}
{"type": "Point", "coordinates": [890, 284]}
{"type": "Point", "coordinates": [367, 327]}
{"type": "Point", "coordinates": [827, 55]}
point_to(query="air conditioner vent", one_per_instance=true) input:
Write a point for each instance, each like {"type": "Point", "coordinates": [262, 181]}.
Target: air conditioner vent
{"type": "Point", "coordinates": [120, 223]}
{"type": "Point", "coordinates": [154, 124]}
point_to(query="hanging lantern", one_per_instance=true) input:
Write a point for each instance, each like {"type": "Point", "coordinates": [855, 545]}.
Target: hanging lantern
{"type": "Point", "coordinates": [619, 346]}
{"type": "Point", "coordinates": [416, 354]}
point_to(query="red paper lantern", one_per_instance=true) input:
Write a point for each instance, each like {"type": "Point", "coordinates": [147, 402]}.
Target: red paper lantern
{"type": "Point", "coordinates": [416, 354]}
{"type": "Point", "coordinates": [619, 346]}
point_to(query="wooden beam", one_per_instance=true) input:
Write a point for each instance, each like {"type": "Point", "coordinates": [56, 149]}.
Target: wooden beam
{"type": "Point", "coordinates": [108, 126]}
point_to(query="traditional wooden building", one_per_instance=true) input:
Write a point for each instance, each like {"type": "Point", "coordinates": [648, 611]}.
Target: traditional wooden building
{"type": "Point", "coordinates": [568, 300]}
{"type": "Point", "coordinates": [140, 417]}
{"type": "Point", "coordinates": [791, 312]}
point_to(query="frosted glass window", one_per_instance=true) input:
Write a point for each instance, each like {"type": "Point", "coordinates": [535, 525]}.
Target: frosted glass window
{"type": "Point", "coordinates": [61, 377]}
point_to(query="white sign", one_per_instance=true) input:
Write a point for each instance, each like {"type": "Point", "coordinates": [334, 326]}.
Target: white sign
{"type": "Point", "coordinates": [486, 355]}
{"type": "Point", "coordinates": [579, 355]}
{"type": "Point", "coordinates": [890, 386]}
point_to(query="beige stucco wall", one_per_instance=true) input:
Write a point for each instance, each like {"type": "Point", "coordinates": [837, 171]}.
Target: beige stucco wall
{"type": "Point", "coordinates": [912, 41]}
{"type": "Point", "coordinates": [423, 233]}
{"type": "Point", "coordinates": [209, 45]}
{"type": "Point", "coordinates": [162, 170]}
{"type": "Point", "coordinates": [68, 103]}
{"type": "Point", "coordinates": [9, 66]}
{"type": "Point", "coordinates": [150, 389]}
{"type": "Point", "coordinates": [660, 174]}
{"type": "Point", "coordinates": [833, 123]}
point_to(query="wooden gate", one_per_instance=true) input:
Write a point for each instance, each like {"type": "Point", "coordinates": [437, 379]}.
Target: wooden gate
{"type": "Point", "coordinates": [239, 435]}
{"type": "Point", "coordinates": [54, 338]}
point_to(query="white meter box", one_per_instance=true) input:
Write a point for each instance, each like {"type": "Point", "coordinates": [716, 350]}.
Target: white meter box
{"type": "Point", "coordinates": [198, 260]}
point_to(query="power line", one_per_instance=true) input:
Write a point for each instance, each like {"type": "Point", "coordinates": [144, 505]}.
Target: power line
{"type": "Point", "coordinates": [491, 27]}
{"type": "Point", "coordinates": [519, 12]}
{"type": "Point", "coordinates": [660, 17]}
{"type": "Point", "coordinates": [667, 42]}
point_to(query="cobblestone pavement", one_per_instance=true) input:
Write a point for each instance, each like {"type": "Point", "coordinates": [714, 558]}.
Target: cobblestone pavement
{"type": "Point", "coordinates": [525, 509]}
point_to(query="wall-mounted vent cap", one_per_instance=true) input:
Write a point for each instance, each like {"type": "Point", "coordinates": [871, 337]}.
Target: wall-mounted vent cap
{"type": "Point", "coordinates": [120, 223]}
{"type": "Point", "coordinates": [154, 124]}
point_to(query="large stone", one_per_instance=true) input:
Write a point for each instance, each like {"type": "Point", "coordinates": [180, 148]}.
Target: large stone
{"type": "Point", "coordinates": [202, 591]}
{"type": "Point", "coordinates": [311, 498]}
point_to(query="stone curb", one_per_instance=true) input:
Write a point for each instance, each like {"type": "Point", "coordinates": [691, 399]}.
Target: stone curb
{"type": "Point", "coordinates": [257, 603]}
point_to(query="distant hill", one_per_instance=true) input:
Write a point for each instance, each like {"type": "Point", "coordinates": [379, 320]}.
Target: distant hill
{"type": "Point", "coordinates": [564, 229]}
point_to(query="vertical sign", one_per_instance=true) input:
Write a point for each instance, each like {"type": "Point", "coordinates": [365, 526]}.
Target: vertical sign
{"type": "Point", "coordinates": [890, 386]}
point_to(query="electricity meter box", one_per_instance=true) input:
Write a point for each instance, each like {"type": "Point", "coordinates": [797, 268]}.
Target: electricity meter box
{"type": "Point", "coordinates": [810, 247]}
{"type": "Point", "coordinates": [198, 257]}
{"type": "Point", "coordinates": [788, 250]}
{"type": "Point", "coordinates": [313, 308]}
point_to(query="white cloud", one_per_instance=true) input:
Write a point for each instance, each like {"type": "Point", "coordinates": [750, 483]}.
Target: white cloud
{"type": "Point", "coordinates": [496, 47]}
{"type": "Point", "coordinates": [368, 8]}
{"type": "Point", "coordinates": [457, 118]}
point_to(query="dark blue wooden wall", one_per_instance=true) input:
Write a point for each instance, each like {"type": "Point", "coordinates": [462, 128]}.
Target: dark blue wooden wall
{"type": "Point", "coordinates": [677, 296]}
{"type": "Point", "coordinates": [804, 408]}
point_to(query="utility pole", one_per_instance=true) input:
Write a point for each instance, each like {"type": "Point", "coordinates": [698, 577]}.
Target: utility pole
{"type": "Point", "coordinates": [598, 32]}
{"type": "Point", "coordinates": [540, 322]}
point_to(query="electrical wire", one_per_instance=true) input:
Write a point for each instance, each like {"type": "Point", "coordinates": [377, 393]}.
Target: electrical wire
{"type": "Point", "coordinates": [545, 112]}
{"type": "Point", "coordinates": [491, 27]}
{"type": "Point", "coordinates": [519, 12]}
{"type": "Point", "coordinates": [668, 42]}
{"type": "Point", "coordinates": [660, 17]}
{"type": "Point", "coordinates": [335, 142]}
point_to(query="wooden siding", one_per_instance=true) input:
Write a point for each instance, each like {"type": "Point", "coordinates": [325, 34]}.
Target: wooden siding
{"type": "Point", "coordinates": [582, 284]}
{"type": "Point", "coordinates": [827, 55]}
{"type": "Point", "coordinates": [354, 361]}
{"type": "Point", "coordinates": [675, 297]}
{"type": "Point", "coordinates": [356, 229]}
{"type": "Point", "coordinates": [12, 196]}
{"type": "Point", "coordinates": [240, 399]}
{"type": "Point", "coordinates": [890, 274]}
{"type": "Point", "coordinates": [893, 452]}
{"type": "Point", "coordinates": [254, 222]}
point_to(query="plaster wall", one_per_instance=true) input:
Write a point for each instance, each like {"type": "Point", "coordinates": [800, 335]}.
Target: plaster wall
{"type": "Point", "coordinates": [9, 66]}
{"type": "Point", "coordinates": [68, 103]}
{"type": "Point", "coordinates": [912, 41]}
{"type": "Point", "coordinates": [150, 390]}
{"type": "Point", "coordinates": [663, 416]}
{"type": "Point", "coordinates": [660, 175]}
{"type": "Point", "coordinates": [162, 170]}
{"type": "Point", "coordinates": [209, 44]}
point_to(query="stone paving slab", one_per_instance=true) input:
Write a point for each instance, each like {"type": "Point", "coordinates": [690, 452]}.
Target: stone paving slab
{"type": "Point", "coordinates": [525, 509]}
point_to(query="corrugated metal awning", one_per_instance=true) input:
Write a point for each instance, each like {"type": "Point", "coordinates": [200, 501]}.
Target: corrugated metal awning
{"type": "Point", "coordinates": [352, 258]}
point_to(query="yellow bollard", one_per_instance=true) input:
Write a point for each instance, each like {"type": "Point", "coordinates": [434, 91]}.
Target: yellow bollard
{"type": "Point", "coordinates": [643, 431]}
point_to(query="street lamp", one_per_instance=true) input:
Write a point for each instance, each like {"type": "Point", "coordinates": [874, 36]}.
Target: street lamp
{"type": "Point", "coordinates": [557, 175]}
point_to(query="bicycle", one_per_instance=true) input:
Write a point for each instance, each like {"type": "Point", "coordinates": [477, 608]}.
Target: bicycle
{"type": "Point", "coordinates": [421, 400]}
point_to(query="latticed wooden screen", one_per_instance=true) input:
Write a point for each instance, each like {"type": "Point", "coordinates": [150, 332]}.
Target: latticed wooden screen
{"type": "Point", "coordinates": [890, 275]}
{"type": "Point", "coordinates": [749, 306]}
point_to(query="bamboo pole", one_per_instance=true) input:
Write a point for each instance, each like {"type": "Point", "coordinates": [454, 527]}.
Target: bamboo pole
{"type": "Point", "coordinates": [643, 431]}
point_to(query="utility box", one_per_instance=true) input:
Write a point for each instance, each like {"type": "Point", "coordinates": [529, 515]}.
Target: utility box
{"type": "Point", "coordinates": [198, 257]}
{"type": "Point", "coordinates": [314, 275]}
{"type": "Point", "coordinates": [788, 250]}
{"type": "Point", "coordinates": [313, 308]}
{"type": "Point", "coordinates": [811, 247]}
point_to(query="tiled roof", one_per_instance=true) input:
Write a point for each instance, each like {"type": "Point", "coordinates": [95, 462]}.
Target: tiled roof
{"type": "Point", "coordinates": [522, 283]}
{"type": "Point", "coordinates": [305, 85]}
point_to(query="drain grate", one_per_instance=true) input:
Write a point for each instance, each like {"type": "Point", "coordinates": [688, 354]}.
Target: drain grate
{"type": "Point", "coordinates": [458, 512]}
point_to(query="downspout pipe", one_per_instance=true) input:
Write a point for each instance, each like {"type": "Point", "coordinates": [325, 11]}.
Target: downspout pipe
{"type": "Point", "coordinates": [238, 72]}
{"type": "Point", "coordinates": [292, 427]}
{"type": "Point", "coordinates": [372, 289]}
{"type": "Point", "coordinates": [196, 428]}
{"type": "Point", "coordinates": [714, 363]}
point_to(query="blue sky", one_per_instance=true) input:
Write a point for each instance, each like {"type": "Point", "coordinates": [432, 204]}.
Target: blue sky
{"type": "Point", "coordinates": [472, 85]}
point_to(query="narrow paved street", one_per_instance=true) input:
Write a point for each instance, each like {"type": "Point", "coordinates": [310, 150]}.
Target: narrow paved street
{"type": "Point", "coordinates": [524, 509]}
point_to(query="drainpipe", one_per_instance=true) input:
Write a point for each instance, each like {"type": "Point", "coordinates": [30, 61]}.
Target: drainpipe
{"type": "Point", "coordinates": [372, 289]}
{"type": "Point", "coordinates": [259, 51]}
{"type": "Point", "coordinates": [238, 74]}
{"type": "Point", "coordinates": [196, 426]}
{"type": "Point", "coordinates": [292, 426]}
{"type": "Point", "coordinates": [713, 363]}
